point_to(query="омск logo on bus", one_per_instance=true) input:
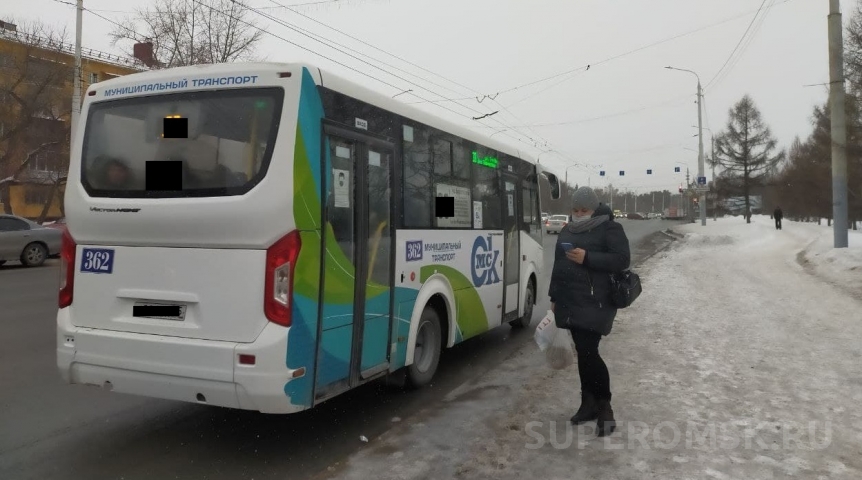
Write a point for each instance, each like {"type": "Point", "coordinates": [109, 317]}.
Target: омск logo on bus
{"type": "Point", "coordinates": [484, 262]}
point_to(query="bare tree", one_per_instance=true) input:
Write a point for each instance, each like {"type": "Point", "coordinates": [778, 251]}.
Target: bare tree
{"type": "Point", "coordinates": [192, 32]}
{"type": "Point", "coordinates": [35, 98]}
{"type": "Point", "coordinates": [746, 148]}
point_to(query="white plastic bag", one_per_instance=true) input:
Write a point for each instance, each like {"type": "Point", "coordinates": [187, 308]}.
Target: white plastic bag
{"type": "Point", "coordinates": [555, 342]}
{"type": "Point", "coordinates": [546, 331]}
{"type": "Point", "coordinates": [560, 354]}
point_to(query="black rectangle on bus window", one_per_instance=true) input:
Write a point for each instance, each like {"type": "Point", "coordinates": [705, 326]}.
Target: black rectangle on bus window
{"type": "Point", "coordinates": [176, 128]}
{"type": "Point", "coordinates": [164, 175]}
{"type": "Point", "coordinates": [156, 311]}
{"type": "Point", "coordinates": [445, 207]}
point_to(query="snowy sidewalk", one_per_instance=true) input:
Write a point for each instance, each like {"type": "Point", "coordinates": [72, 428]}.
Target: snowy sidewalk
{"type": "Point", "coordinates": [737, 362]}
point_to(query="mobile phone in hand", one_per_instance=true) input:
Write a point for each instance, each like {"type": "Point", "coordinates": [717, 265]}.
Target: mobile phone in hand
{"type": "Point", "coordinates": [567, 246]}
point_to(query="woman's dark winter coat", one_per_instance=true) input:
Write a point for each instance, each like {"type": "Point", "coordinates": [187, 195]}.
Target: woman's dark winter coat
{"type": "Point", "coordinates": [581, 293]}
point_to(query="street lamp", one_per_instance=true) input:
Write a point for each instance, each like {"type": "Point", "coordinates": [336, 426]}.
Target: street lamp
{"type": "Point", "coordinates": [702, 201]}
{"type": "Point", "coordinates": [714, 194]}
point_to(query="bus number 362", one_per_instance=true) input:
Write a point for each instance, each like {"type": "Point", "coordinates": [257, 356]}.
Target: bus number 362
{"type": "Point", "coordinates": [97, 261]}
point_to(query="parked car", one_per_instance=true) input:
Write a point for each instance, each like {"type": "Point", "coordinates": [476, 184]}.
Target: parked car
{"type": "Point", "coordinates": [60, 224]}
{"type": "Point", "coordinates": [27, 242]}
{"type": "Point", "coordinates": [555, 223]}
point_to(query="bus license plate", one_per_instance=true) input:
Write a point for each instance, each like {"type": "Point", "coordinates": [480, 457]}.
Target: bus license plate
{"type": "Point", "coordinates": [159, 311]}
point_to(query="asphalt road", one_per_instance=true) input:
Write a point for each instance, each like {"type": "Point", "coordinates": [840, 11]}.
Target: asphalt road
{"type": "Point", "coordinates": [52, 430]}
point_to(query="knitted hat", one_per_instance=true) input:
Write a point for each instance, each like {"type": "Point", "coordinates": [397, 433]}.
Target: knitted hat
{"type": "Point", "coordinates": [585, 197]}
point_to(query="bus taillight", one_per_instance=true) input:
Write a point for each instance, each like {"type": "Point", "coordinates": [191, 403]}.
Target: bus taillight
{"type": "Point", "coordinates": [67, 269]}
{"type": "Point", "coordinates": [278, 286]}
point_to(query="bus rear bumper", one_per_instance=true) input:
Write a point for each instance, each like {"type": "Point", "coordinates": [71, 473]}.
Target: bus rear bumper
{"type": "Point", "coordinates": [197, 371]}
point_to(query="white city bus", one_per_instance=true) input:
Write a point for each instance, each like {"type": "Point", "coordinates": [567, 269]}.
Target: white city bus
{"type": "Point", "coordinates": [268, 236]}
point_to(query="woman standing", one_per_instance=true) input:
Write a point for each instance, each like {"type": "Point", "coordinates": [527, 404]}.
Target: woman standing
{"type": "Point", "coordinates": [589, 249]}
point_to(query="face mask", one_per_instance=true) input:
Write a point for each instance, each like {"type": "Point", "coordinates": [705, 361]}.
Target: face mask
{"type": "Point", "coordinates": [579, 220]}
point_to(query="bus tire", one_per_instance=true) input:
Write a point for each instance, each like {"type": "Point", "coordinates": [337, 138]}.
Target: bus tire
{"type": "Point", "coordinates": [426, 353]}
{"type": "Point", "coordinates": [529, 298]}
{"type": "Point", "coordinates": [34, 254]}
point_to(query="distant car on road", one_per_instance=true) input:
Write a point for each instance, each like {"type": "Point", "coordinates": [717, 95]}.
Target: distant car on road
{"type": "Point", "coordinates": [555, 223]}
{"type": "Point", "coordinates": [635, 216]}
{"type": "Point", "coordinates": [27, 242]}
{"type": "Point", "coordinates": [545, 216]}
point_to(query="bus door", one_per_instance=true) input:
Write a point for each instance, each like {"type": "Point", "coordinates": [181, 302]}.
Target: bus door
{"type": "Point", "coordinates": [355, 285]}
{"type": "Point", "coordinates": [512, 247]}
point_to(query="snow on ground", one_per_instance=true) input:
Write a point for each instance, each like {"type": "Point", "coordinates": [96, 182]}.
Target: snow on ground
{"type": "Point", "coordinates": [736, 362]}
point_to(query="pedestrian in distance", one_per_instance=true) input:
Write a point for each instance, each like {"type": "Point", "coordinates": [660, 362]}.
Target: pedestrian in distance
{"type": "Point", "coordinates": [778, 215]}
{"type": "Point", "coordinates": [589, 249]}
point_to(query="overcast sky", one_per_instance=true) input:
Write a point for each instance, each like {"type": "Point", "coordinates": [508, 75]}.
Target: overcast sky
{"type": "Point", "coordinates": [625, 113]}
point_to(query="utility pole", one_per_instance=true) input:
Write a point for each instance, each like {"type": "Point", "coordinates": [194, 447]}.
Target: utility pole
{"type": "Point", "coordinates": [76, 92]}
{"type": "Point", "coordinates": [700, 174]}
{"type": "Point", "coordinates": [839, 127]}
{"type": "Point", "coordinates": [685, 192]}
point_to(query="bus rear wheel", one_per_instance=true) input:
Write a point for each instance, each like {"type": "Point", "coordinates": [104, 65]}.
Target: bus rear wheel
{"type": "Point", "coordinates": [426, 352]}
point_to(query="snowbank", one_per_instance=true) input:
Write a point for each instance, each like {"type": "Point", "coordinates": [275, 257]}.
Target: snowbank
{"type": "Point", "coordinates": [735, 362]}
{"type": "Point", "coordinates": [841, 267]}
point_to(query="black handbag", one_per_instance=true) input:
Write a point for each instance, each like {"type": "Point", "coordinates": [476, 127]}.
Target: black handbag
{"type": "Point", "coordinates": [625, 288]}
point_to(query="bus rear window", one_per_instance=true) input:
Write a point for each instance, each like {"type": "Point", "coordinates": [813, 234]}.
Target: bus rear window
{"type": "Point", "coordinates": [214, 144]}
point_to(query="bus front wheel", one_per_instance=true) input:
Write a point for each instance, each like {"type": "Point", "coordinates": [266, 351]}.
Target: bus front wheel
{"type": "Point", "coordinates": [426, 353]}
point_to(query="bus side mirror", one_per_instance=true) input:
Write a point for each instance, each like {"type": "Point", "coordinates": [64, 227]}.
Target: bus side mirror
{"type": "Point", "coordinates": [554, 182]}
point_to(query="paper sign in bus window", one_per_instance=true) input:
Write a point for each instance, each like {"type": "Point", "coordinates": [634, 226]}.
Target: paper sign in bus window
{"type": "Point", "coordinates": [444, 207]}
{"type": "Point", "coordinates": [477, 214]}
{"type": "Point", "coordinates": [341, 190]}
{"type": "Point", "coordinates": [456, 214]}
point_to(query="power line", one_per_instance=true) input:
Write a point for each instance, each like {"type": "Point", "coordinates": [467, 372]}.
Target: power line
{"type": "Point", "coordinates": [199, 2]}
{"type": "Point", "coordinates": [738, 43]}
{"type": "Point", "coordinates": [302, 4]}
{"type": "Point", "coordinates": [482, 115]}
{"type": "Point", "coordinates": [610, 115]}
{"type": "Point", "coordinates": [457, 101]}
{"type": "Point", "coordinates": [654, 44]}
{"type": "Point", "coordinates": [748, 42]}
{"type": "Point", "coordinates": [544, 89]}
{"type": "Point", "coordinates": [310, 34]}
{"type": "Point", "coordinates": [289, 7]}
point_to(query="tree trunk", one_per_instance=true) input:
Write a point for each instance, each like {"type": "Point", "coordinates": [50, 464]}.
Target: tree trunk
{"type": "Point", "coordinates": [47, 206]}
{"type": "Point", "coordinates": [5, 199]}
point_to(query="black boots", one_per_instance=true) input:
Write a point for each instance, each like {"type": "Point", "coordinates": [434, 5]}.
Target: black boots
{"type": "Point", "coordinates": [605, 423]}
{"type": "Point", "coordinates": [589, 409]}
